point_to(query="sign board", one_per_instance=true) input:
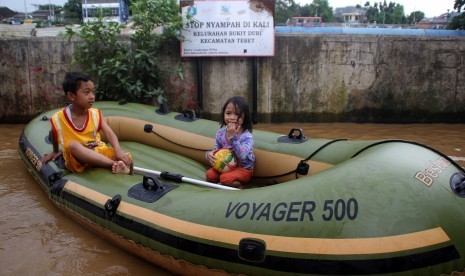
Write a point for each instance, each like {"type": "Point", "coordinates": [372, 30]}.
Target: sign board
{"type": "Point", "coordinates": [228, 28]}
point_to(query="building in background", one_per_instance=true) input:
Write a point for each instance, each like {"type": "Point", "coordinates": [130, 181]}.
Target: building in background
{"type": "Point", "coordinates": [113, 10]}
{"type": "Point", "coordinates": [350, 15]}
{"type": "Point", "coordinates": [438, 22]}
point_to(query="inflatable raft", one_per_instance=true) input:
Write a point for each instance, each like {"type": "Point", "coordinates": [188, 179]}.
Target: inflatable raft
{"type": "Point", "coordinates": [314, 206]}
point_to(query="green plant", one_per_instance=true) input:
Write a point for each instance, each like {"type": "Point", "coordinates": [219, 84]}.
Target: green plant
{"type": "Point", "coordinates": [130, 70]}
{"type": "Point", "coordinates": [101, 55]}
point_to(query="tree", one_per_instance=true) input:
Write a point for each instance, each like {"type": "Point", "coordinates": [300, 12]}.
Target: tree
{"type": "Point", "coordinates": [385, 13]}
{"type": "Point", "coordinates": [457, 22]}
{"type": "Point", "coordinates": [284, 10]}
{"type": "Point", "coordinates": [459, 4]}
{"type": "Point", "coordinates": [372, 13]}
{"type": "Point", "coordinates": [384, 16]}
{"type": "Point", "coordinates": [129, 72]}
{"type": "Point", "coordinates": [415, 17]}
{"type": "Point", "coordinates": [73, 12]}
{"type": "Point", "coordinates": [397, 14]}
{"type": "Point", "coordinates": [319, 8]}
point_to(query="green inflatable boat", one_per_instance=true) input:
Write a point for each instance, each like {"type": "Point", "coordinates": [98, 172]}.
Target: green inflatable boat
{"type": "Point", "coordinates": [314, 206]}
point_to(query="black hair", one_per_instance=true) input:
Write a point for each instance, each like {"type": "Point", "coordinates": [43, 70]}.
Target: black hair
{"type": "Point", "coordinates": [73, 81]}
{"type": "Point", "coordinates": [242, 108]}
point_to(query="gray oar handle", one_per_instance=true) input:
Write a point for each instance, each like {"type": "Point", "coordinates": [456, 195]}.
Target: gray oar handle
{"type": "Point", "coordinates": [176, 177]}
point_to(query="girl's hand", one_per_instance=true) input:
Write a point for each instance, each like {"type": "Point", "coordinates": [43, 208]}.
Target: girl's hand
{"type": "Point", "coordinates": [232, 129]}
{"type": "Point", "coordinates": [211, 158]}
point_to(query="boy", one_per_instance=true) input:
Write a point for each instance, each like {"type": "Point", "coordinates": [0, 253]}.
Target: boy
{"type": "Point", "coordinates": [76, 128]}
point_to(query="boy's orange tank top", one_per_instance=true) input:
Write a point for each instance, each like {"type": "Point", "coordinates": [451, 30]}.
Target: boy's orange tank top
{"type": "Point", "coordinates": [65, 131]}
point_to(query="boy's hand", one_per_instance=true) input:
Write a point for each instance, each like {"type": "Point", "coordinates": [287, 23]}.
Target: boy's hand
{"type": "Point", "coordinates": [121, 155]}
{"type": "Point", "coordinates": [50, 156]}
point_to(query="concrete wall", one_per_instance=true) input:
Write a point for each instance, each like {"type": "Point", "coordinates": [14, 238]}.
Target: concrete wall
{"type": "Point", "coordinates": [311, 78]}
{"type": "Point", "coordinates": [31, 73]}
{"type": "Point", "coordinates": [365, 78]}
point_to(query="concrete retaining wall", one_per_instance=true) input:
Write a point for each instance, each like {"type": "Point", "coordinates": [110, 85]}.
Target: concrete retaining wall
{"type": "Point", "coordinates": [312, 78]}
{"type": "Point", "coordinates": [366, 78]}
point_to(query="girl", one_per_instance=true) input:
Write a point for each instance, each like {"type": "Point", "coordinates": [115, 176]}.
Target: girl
{"type": "Point", "coordinates": [236, 135]}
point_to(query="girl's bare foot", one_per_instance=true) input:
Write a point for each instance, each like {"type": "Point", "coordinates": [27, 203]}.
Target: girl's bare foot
{"type": "Point", "coordinates": [237, 184]}
{"type": "Point", "coordinates": [121, 168]}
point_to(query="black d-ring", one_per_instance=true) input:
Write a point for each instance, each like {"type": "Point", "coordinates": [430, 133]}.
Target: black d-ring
{"type": "Point", "coordinates": [151, 182]}
{"type": "Point", "coordinates": [295, 136]}
{"type": "Point", "coordinates": [187, 116]}
{"type": "Point", "coordinates": [292, 135]}
{"type": "Point", "coordinates": [189, 113]}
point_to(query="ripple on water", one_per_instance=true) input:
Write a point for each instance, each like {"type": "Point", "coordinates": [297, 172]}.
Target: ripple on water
{"type": "Point", "coordinates": [9, 154]}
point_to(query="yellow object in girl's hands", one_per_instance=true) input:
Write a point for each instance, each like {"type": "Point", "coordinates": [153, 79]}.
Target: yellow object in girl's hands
{"type": "Point", "coordinates": [225, 160]}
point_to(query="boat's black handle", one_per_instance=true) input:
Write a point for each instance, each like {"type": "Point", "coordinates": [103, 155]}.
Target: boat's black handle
{"type": "Point", "coordinates": [112, 205]}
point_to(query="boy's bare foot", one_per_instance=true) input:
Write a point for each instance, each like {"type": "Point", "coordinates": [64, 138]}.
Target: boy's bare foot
{"type": "Point", "coordinates": [121, 168]}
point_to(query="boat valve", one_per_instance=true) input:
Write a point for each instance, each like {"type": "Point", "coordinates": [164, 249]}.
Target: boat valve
{"type": "Point", "coordinates": [252, 250]}
{"type": "Point", "coordinates": [112, 205]}
{"type": "Point", "coordinates": [148, 128]}
{"type": "Point", "coordinates": [457, 184]}
{"type": "Point", "coordinates": [302, 168]}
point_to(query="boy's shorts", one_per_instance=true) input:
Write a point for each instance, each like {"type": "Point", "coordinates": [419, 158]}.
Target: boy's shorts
{"type": "Point", "coordinates": [74, 165]}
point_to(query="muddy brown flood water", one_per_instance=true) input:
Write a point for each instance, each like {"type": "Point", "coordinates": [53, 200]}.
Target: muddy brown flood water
{"type": "Point", "coordinates": [37, 239]}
